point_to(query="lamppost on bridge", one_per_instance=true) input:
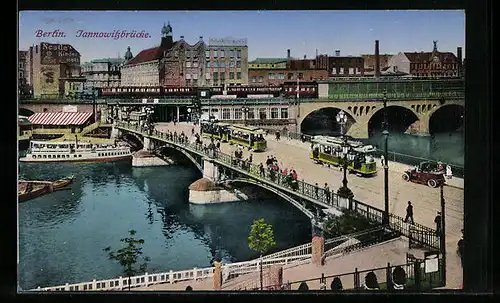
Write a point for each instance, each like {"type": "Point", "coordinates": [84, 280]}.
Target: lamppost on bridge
{"type": "Point", "coordinates": [190, 118]}
{"type": "Point", "coordinates": [347, 157]}
{"type": "Point", "coordinates": [442, 238]}
{"type": "Point", "coordinates": [385, 132]}
{"type": "Point", "coordinates": [245, 110]}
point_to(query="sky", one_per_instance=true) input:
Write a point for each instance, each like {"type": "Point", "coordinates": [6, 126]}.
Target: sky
{"type": "Point", "coordinates": [269, 33]}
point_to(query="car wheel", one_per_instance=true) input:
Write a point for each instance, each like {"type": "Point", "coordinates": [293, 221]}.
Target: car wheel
{"type": "Point", "coordinates": [406, 177]}
{"type": "Point", "coordinates": [432, 183]}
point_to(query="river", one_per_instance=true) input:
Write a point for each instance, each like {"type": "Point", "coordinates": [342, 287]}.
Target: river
{"type": "Point", "coordinates": [62, 235]}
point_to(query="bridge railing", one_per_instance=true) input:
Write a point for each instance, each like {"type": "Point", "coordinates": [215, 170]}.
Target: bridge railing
{"type": "Point", "coordinates": [398, 96]}
{"type": "Point", "coordinates": [121, 283]}
{"type": "Point", "coordinates": [301, 188]}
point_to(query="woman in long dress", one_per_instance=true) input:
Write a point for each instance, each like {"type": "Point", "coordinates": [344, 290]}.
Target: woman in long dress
{"type": "Point", "coordinates": [449, 173]}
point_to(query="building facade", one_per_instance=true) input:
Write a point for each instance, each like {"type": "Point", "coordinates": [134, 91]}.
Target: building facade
{"type": "Point", "coordinates": [102, 72]}
{"type": "Point", "coordinates": [433, 64]}
{"type": "Point", "coordinates": [369, 63]}
{"type": "Point", "coordinates": [54, 69]}
{"type": "Point", "coordinates": [226, 62]}
{"type": "Point", "coordinates": [341, 66]}
{"type": "Point", "coordinates": [23, 65]}
{"type": "Point", "coordinates": [183, 65]}
{"type": "Point", "coordinates": [267, 71]}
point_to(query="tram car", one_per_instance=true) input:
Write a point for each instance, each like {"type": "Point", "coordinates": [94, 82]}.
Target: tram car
{"type": "Point", "coordinates": [180, 92]}
{"type": "Point", "coordinates": [328, 150]}
{"type": "Point", "coordinates": [248, 136]}
{"type": "Point", "coordinates": [131, 92]}
{"type": "Point", "coordinates": [307, 89]}
{"type": "Point", "coordinates": [254, 92]}
{"type": "Point", "coordinates": [217, 130]}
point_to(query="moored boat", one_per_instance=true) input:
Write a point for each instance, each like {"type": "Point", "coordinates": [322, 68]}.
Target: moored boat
{"type": "Point", "coordinates": [75, 152]}
{"type": "Point", "coordinates": [61, 183]}
{"type": "Point", "coordinates": [28, 191]}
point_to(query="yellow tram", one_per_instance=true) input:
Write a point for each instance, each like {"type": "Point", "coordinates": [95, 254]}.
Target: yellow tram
{"type": "Point", "coordinates": [248, 136]}
{"type": "Point", "coordinates": [328, 150]}
{"type": "Point", "coordinates": [216, 130]}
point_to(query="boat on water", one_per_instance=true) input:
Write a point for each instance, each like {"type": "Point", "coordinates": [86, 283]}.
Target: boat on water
{"type": "Point", "coordinates": [28, 191]}
{"type": "Point", "coordinates": [75, 152]}
{"type": "Point", "coordinates": [61, 183]}
{"type": "Point", "coordinates": [32, 189]}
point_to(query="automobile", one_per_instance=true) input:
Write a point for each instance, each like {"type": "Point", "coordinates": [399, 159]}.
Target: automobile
{"type": "Point", "coordinates": [425, 173]}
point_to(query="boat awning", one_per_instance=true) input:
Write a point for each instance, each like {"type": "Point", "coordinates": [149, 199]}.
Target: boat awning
{"type": "Point", "coordinates": [59, 118]}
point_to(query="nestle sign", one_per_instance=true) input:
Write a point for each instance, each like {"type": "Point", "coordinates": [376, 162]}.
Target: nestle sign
{"type": "Point", "coordinates": [58, 53]}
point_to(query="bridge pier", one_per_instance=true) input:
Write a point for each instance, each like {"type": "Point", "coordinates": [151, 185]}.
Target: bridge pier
{"type": "Point", "coordinates": [148, 144]}
{"type": "Point", "coordinates": [420, 127]}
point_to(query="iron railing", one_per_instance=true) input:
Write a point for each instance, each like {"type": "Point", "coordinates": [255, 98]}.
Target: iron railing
{"type": "Point", "coordinates": [418, 233]}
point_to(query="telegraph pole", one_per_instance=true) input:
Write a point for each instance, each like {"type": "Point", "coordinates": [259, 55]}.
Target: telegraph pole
{"type": "Point", "coordinates": [386, 166]}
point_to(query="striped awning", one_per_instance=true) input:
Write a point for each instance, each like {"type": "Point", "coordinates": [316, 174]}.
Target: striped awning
{"type": "Point", "coordinates": [59, 118]}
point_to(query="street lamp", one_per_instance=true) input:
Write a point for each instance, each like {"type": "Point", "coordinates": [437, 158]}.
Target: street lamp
{"type": "Point", "coordinates": [245, 110]}
{"type": "Point", "coordinates": [442, 236]}
{"type": "Point", "coordinates": [189, 114]}
{"type": "Point", "coordinates": [386, 167]}
{"type": "Point", "coordinates": [347, 156]}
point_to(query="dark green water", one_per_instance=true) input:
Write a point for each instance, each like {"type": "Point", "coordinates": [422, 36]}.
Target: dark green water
{"type": "Point", "coordinates": [61, 235]}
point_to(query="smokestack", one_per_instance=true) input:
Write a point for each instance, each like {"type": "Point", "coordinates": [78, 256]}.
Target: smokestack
{"type": "Point", "coordinates": [337, 53]}
{"type": "Point", "coordinates": [459, 57]}
{"type": "Point", "coordinates": [288, 54]}
{"type": "Point", "coordinates": [316, 52]}
{"type": "Point", "coordinates": [377, 60]}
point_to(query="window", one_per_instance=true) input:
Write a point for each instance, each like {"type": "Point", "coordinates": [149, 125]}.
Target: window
{"type": "Point", "coordinates": [226, 114]}
{"type": "Point", "coordinates": [271, 76]}
{"type": "Point", "coordinates": [222, 64]}
{"type": "Point", "coordinates": [231, 53]}
{"type": "Point", "coordinates": [238, 113]}
{"type": "Point", "coordinates": [216, 76]}
{"type": "Point", "coordinates": [195, 82]}
{"type": "Point", "coordinates": [274, 113]}
{"type": "Point", "coordinates": [341, 70]}
{"type": "Point", "coordinates": [194, 76]}
{"type": "Point", "coordinates": [188, 82]}
{"type": "Point", "coordinates": [195, 64]}
{"type": "Point", "coordinates": [188, 76]}
{"type": "Point", "coordinates": [207, 82]}
{"type": "Point", "coordinates": [208, 64]}
{"type": "Point", "coordinates": [207, 75]}
{"type": "Point", "coordinates": [261, 79]}
{"type": "Point", "coordinates": [238, 53]}
{"type": "Point", "coordinates": [231, 76]}
{"type": "Point", "coordinates": [207, 53]}
{"type": "Point", "coordinates": [221, 53]}
{"type": "Point", "coordinates": [232, 64]}
{"type": "Point", "coordinates": [262, 113]}
{"type": "Point", "coordinates": [284, 113]}
{"type": "Point", "coordinates": [254, 79]}
{"type": "Point", "coordinates": [351, 71]}
{"type": "Point", "coordinates": [301, 76]}
{"type": "Point", "coordinates": [281, 76]}
{"type": "Point", "coordinates": [223, 76]}
{"type": "Point", "coordinates": [250, 114]}
{"type": "Point", "coordinates": [290, 76]}
{"type": "Point", "coordinates": [238, 75]}
{"type": "Point", "coordinates": [238, 64]}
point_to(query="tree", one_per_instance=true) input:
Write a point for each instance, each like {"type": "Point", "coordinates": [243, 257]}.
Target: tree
{"type": "Point", "coordinates": [128, 256]}
{"type": "Point", "coordinates": [261, 239]}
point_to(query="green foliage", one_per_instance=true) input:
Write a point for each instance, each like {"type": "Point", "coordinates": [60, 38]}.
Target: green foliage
{"type": "Point", "coordinates": [128, 256]}
{"type": "Point", "coordinates": [350, 222]}
{"type": "Point", "coordinates": [261, 237]}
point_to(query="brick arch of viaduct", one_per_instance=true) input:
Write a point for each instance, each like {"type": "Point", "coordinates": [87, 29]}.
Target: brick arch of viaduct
{"type": "Point", "coordinates": [362, 112]}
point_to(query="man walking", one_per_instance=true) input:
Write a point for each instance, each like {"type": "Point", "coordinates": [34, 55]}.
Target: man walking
{"type": "Point", "coordinates": [327, 193]}
{"type": "Point", "coordinates": [409, 213]}
{"type": "Point", "coordinates": [316, 190]}
{"type": "Point", "coordinates": [437, 220]}
{"type": "Point", "coordinates": [382, 158]}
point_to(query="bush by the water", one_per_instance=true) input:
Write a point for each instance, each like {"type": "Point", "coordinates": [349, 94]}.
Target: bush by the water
{"type": "Point", "coordinates": [350, 222]}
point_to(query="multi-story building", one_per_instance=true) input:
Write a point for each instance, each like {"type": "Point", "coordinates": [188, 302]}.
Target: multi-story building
{"type": "Point", "coordinates": [22, 67]}
{"type": "Point", "coordinates": [369, 63]}
{"type": "Point", "coordinates": [54, 69]}
{"type": "Point", "coordinates": [267, 71]}
{"type": "Point", "coordinates": [342, 66]}
{"type": "Point", "coordinates": [428, 64]}
{"type": "Point", "coordinates": [171, 64]}
{"type": "Point", "coordinates": [184, 64]}
{"type": "Point", "coordinates": [102, 72]}
{"type": "Point", "coordinates": [226, 62]}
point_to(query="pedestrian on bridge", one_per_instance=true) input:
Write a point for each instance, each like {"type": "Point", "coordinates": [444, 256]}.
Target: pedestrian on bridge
{"type": "Point", "coordinates": [327, 193]}
{"type": "Point", "coordinates": [409, 213]}
{"type": "Point", "coordinates": [437, 220]}
{"type": "Point", "coordinates": [316, 190]}
{"type": "Point", "coordinates": [382, 158]}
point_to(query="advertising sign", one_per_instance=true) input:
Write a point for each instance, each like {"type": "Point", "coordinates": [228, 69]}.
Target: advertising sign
{"type": "Point", "coordinates": [49, 79]}
{"type": "Point", "coordinates": [431, 262]}
{"type": "Point", "coordinates": [227, 42]}
{"type": "Point", "coordinates": [58, 53]}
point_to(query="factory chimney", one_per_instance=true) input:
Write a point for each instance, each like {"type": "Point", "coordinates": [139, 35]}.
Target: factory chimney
{"type": "Point", "coordinates": [288, 54]}
{"type": "Point", "coordinates": [459, 58]}
{"type": "Point", "coordinates": [377, 60]}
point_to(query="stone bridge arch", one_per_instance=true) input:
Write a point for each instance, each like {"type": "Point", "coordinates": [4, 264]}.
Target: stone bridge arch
{"type": "Point", "coordinates": [309, 109]}
{"type": "Point", "coordinates": [188, 155]}
{"type": "Point", "coordinates": [282, 195]}
{"type": "Point", "coordinates": [431, 114]}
